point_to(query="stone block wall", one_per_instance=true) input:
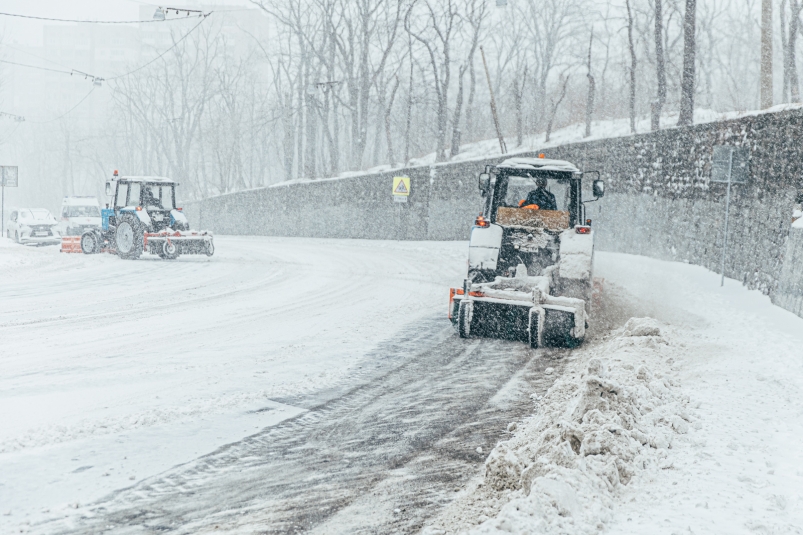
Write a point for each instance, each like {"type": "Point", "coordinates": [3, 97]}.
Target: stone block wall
{"type": "Point", "coordinates": [659, 201]}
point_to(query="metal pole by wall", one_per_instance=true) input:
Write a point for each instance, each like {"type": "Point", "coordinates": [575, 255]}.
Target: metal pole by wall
{"type": "Point", "coordinates": [727, 215]}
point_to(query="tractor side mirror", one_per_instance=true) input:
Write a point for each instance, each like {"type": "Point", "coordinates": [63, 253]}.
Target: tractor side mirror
{"type": "Point", "coordinates": [108, 189]}
{"type": "Point", "coordinates": [599, 188]}
{"type": "Point", "coordinates": [485, 182]}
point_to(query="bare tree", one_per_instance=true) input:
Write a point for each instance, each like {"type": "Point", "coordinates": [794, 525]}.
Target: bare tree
{"type": "Point", "coordinates": [686, 116]}
{"type": "Point", "coordinates": [591, 88]}
{"type": "Point", "coordinates": [554, 105]}
{"type": "Point", "coordinates": [766, 54]}
{"type": "Point", "coordinates": [660, 67]}
{"type": "Point", "coordinates": [631, 102]}
{"type": "Point", "coordinates": [436, 38]}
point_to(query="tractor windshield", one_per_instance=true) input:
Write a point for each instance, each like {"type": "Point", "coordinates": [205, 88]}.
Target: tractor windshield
{"type": "Point", "coordinates": [158, 197]}
{"type": "Point", "coordinates": [520, 187]}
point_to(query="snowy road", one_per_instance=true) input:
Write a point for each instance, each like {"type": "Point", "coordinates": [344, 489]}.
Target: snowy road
{"type": "Point", "coordinates": [126, 384]}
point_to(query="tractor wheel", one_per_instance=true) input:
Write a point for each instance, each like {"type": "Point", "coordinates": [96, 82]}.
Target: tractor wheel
{"type": "Point", "coordinates": [90, 244]}
{"type": "Point", "coordinates": [169, 250]}
{"type": "Point", "coordinates": [464, 319]}
{"type": "Point", "coordinates": [210, 249]}
{"type": "Point", "coordinates": [129, 237]}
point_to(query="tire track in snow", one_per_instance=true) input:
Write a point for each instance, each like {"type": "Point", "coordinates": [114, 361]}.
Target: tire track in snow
{"type": "Point", "coordinates": [402, 441]}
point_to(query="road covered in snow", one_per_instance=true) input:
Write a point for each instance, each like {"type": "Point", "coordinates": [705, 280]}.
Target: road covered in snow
{"type": "Point", "coordinates": [300, 385]}
{"type": "Point", "coordinates": [113, 371]}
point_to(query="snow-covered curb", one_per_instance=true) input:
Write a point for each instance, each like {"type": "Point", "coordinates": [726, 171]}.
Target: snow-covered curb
{"type": "Point", "coordinates": [610, 419]}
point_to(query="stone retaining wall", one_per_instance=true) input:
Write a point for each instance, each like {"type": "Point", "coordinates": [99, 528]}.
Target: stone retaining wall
{"type": "Point", "coordinates": [659, 201]}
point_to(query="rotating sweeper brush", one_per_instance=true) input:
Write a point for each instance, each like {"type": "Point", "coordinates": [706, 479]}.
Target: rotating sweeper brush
{"type": "Point", "coordinates": [531, 253]}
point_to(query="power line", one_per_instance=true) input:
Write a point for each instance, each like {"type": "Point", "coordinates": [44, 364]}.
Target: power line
{"type": "Point", "coordinates": [98, 21]}
{"type": "Point", "coordinates": [160, 56]}
{"type": "Point", "coordinates": [97, 79]}
{"type": "Point", "coordinates": [71, 72]}
{"type": "Point", "coordinates": [68, 111]}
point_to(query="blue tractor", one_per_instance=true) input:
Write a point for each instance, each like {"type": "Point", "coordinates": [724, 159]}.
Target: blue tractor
{"type": "Point", "coordinates": [142, 216]}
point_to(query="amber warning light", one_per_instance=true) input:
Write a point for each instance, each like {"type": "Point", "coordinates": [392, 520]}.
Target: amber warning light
{"type": "Point", "coordinates": [482, 222]}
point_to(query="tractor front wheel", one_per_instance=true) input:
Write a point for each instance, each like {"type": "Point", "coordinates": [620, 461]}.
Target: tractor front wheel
{"type": "Point", "coordinates": [129, 237]}
{"type": "Point", "coordinates": [169, 250]}
{"type": "Point", "coordinates": [90, 242]}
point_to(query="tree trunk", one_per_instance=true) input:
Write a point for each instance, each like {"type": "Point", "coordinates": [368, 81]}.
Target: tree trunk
{"type": "Point", "coordinates": [458, 108]}
{"type": "Point", "coordinates": [766, 54]}
{"type": "Point", "coordinates": [794, 27]}
{"type": "Point", "coordinates": [553, 112]}
{"type": "Point", "coordinates": [686, 116]}
{"type": "Point", "coordinates": [388, 137]}
{"type": "Point", "coordinates": [785, 50]}
{"type": "Point", "coordinates": [660, 68]}
{"type": "Point", "coordinates": [518, 103]}
{"type": "Point", "coordinates": [591, 90]}
{"type": "Point", "coordinates": [632, 98]}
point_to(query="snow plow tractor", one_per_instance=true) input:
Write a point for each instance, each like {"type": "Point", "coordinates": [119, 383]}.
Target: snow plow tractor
{"type": "Point", "coordinates": [530, 258]}
{"type": "Point", "coordinates": [141, 216]}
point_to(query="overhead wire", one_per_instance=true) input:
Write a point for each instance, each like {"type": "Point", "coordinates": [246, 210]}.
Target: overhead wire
{"type": "Point", "coordinates": [66, 112]}
{"type": "Point", "coordinates": [95, 21]}
{"type": "Point", "coordinates": [160, 56]}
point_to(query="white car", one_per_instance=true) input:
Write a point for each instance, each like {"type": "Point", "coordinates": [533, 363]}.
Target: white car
{"type": "Point", "coordinates": [79, 214]}
{"type": "Point", "coordinates": [34, 226]}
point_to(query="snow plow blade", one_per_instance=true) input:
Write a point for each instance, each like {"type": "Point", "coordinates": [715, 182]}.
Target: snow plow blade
{"type": "Point", "coordinates": [518, 309]}
{"type": "Point", "coordinates": [70, 244]}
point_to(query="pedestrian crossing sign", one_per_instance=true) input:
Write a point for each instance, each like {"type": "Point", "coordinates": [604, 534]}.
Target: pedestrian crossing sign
{"type": "Point", "coordinates": [401, 186]}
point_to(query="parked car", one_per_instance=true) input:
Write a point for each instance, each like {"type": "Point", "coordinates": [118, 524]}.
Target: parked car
{"type": "Point", "coordinates": [79, 214]}
{"type": "Point", "coordinates": [34, 226]}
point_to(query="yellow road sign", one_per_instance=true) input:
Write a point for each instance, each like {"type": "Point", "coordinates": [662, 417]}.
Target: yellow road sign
{"type": "Point", "coordinates": [401, 186]}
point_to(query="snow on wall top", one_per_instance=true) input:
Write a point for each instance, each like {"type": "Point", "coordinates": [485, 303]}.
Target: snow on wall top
{"type": "Point", "coordinates": [540, 164]}
{"type": "Point", "coordinates": [148, 179]}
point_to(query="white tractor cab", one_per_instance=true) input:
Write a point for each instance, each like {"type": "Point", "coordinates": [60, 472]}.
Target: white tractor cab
{"type": "Point", "coordinates": [142, 216]}
{"type": "Point", "coordinates": [529, 264]}
{"type": "Point", "coordinates": [79, 214]}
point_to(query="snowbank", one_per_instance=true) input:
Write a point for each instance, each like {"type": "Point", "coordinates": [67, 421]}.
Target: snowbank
{"type": "Point", "coordinates": [612, 417]}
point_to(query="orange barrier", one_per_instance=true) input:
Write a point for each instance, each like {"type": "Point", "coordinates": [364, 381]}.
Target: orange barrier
{"type": "Point", "coordinates": [71, 244]}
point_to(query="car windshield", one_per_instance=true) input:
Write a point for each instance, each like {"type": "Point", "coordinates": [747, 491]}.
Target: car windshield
{"type": "Point", "coordinates": [158, 197]}
{"type": "Point", "coordinates": [83, 211]}
{"type": "Point", "coordinates": [519, 187]}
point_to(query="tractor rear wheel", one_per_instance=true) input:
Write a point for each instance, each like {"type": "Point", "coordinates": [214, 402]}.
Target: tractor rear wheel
{"type": "Point", "coordinates": [129, 237]}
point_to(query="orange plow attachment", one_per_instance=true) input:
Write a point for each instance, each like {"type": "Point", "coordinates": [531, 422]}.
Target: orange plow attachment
{"type": "Point", "coordinates": [71, 244]}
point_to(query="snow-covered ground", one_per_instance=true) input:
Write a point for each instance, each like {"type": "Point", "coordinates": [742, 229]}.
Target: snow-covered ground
{"type": "Point", "coordinates": [686, 423]}
{"type": "Point", "coordinates": [112, 371]}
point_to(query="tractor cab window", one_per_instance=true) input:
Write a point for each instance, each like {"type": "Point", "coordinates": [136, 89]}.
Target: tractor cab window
{"type": "Point", "coordinates": [158, 197]}
{"type": "Point", "coordinates": [519, 187]}
{"type": "Point", "coordinates": [122, 195]}
{"type": "Point", "coordinates": [134, 194]}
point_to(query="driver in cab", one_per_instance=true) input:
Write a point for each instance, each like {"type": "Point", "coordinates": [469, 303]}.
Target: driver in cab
{"type": "Point", "coordinates": [539, 198]}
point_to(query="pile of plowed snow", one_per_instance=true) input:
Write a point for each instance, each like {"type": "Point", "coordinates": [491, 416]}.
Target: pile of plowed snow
{"type": "Point", "coordinates": [612, 417]}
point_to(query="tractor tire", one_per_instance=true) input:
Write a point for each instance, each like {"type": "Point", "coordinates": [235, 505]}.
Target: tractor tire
{"type": "Point", "coordinates": [129, 237]}
{"type": "Point", "coordinates": [210, 249]}
{"type": "Point", "coordinates": [90, 242]}
{"type": "Point", "coordinates": [169, 251]}
{"type": "Point", "coordinates": [464, 319]}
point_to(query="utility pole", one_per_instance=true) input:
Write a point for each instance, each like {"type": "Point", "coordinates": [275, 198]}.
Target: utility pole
{"type": "Point", "coordinates": [502, 145]}
{"type": "Point", "coordinates": [766, 54]}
